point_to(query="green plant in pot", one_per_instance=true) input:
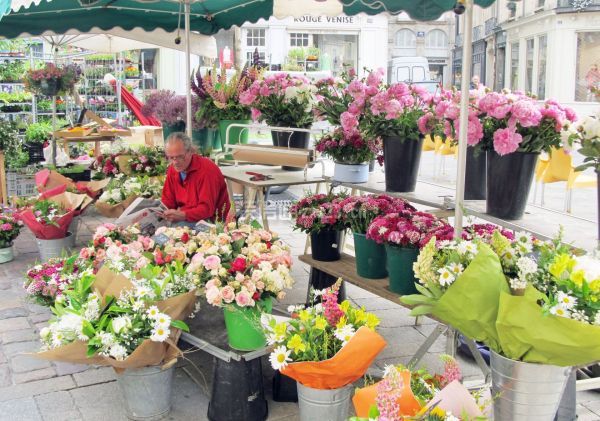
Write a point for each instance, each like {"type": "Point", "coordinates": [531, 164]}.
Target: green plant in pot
{"type": "Point", "coordinates": [205, 133]}
{"type": "Point", "coordinates": [169, 108]}
{"type": "Point", "coordinates": [403, 233]}
{"type": "Point", "coordinates": [15, 156]}
{"type": "Point", "coordinates": [358, 213]}
{"type": "Point", "coordinates": [52, 80]}
{"type": "Point", "coordinates": [282, 100]}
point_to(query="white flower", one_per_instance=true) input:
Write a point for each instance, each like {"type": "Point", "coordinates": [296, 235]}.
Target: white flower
{"type": "Point", "coordinates": [280, 357]}
{"type": "Point", "coordinates": [450, 417]}
{"type": "Point", "coordinates": [516, 283]}
{"type": "Point", "coordinates": [580, 316]}
{"type": "Point", "coordinates": [382, 230]}
{"type": "Point", "coordinates": [589, 265]}
{"type": "Point", "coordinates": [45, 333]}
{"type": "Point", "coordinates": [446, 277]}
{"type": "Point", "coordinates": [153, 312]}
{"type": "Point", "coordinates": [509, 255]}
{"type": "Point", "coordinates": [160, 334]}
{"type": "Point", "coordinates": [118, 352]}
{"type": "Point", "coordinates": [388, 370]}
{"type": "Point", "coordinates": [107, 339]}
{"type": "Point", "coordinates": [524, 237]}
{"type": "Point", "coordinates": [526, 266]}
{"type": "Point", "coordinates": [565, 300]}
{"type": "Point", "coordinates": [456, 268]}
{"type": "Point", "coordinates": [121, 324]}
{"type": "Point", "coordinates": [344, 333]}
{"type": "Point", "coordinates": [465, 247]}
{"type": "Point", "coordinates": [597, 319]}
{"type": "Point", "coordinates": [560, 311]}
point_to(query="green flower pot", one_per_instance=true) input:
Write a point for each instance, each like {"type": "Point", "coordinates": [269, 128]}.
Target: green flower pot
{"type": "Point", "coordinates": [217, 146]}
{"type": "Point", "coordinates": [370, 257]}
{"type": "Point", "coordinates": [204, 140]}
{"type": "Point", "coordinates": [400, 269]}
{"type": "Point", "coordinates": [236, 134]}
{"type": "Point", "coordinates": [172, 128]}
{"type": "Point", "coordinates": [244, 331]}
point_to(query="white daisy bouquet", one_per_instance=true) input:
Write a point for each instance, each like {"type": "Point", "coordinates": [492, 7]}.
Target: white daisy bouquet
{"type": "Point", "coordinates": [123, 187]}
{"type": "Point", "coordinates": [324, 346]}
{"type": "Point", "coordinates": [125, 330]}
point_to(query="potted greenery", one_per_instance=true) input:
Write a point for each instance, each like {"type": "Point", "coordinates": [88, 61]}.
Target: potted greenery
{"type": "Point", "coordinates": [283, 101]}
{"type": "Point", "coordinates": [205, 133]}
{"type": "Point", "coordinates": [51, 79]}
{"type": "Point", "coordinates": [36, 135]}
{"type": "Point", "coordinates": [15, 156]}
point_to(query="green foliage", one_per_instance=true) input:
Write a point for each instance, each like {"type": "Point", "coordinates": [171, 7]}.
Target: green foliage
{"type": "Point", "coordinates": [12, 97]}
{"type": "Point", "coordinates": [18, 158]}
{"type": "Point", "coordinates": [14, 154]}
{"type": "Point", "coordinates": [38, 132]}
{"type": "Point", "coordinates": [12, 71]}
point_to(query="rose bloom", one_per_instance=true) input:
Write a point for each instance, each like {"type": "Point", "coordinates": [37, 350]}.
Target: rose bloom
{"type": "Point", "coordinates": [228, 294]}
{"type": "Point", "coordinates": [212, 262]}
{"type": "Point", "coordinates": [213, 296]}
{"type": "Point", "coordinates": [243, 299]}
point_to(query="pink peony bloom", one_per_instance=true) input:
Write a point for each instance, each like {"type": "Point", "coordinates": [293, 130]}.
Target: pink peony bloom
{"type": "Point", "coordinates": [526, 113]}
{"type": "Point", "coordinates": [243, 299]}
{"type": "Point", "coordinates": [212, 262]}
{"type": "Point", "coordinates": [349, 121]}
{"type": "Point", "coordinates": [506, 141]}
{"type": "Point", "coordinates": [228, 294]}
{"type": "Point", "coordinates": [254, 113]}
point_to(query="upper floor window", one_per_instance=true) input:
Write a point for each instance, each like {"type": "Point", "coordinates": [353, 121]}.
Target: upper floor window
{"type": "Point", "coordinates": [299, 40]}
{"type": "Point", "coordinates": [255, 37]}
{"type": "Point", "coordinates": [436, 38]}
{"type": "Point", "coordinates": [405, 38]}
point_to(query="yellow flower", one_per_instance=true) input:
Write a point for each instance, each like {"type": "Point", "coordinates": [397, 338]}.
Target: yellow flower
{"type": "Point", "coordinates": [360, 316]}
{"type": "Point", "coordinates": [345, 306]}
{"type": "Point", "coordinates": [304, 316]}
{"type": "Point", "coordinates": [595, 286]}
{"type": "Point", "coordinates": [280, 330]}
{"type": "Point", "coordinates": [562, 262]}
{"type": "Point", "coordinates": [372, 320]}
{"type": "Point", "coordinates": [342, 322]}
{"type": "Point", "coordinates": [320, 323]}
{"type": "Point", "coordinates": [296, 344]}
{"type": "Point", "coordinates": [578, 277]}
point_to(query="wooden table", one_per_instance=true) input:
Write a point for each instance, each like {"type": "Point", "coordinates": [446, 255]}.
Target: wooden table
{"type": "Point", "coordinates": [255, 189]}
{"type": "Point", "coordinates": [92, 138]}
{"type": "Point", "coordinates": [345, 268]}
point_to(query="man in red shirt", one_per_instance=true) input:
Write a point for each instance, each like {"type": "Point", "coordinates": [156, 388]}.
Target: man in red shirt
{"type": "Point", "coordinates": [194, 189]}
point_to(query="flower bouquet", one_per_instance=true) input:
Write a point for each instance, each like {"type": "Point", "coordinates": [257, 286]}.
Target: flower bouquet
{"type": "Point", "coordinates": [403, 234]}
{"type": "Point", "coordinates": [358, 213]}
{"type": "Point", "coordinates": [47, 282]}
{"type": "Point", "coordinates": [320, 216]}
{"type": "Point", "coordinates": [10, 227]}
{"type": "Point", "coordinates": [324, 347]}
{"type": "Point", "coordinates": [105, 236]}
{"type": "Point", "coordinates": [47, 219]}
{"type": "Point", "coordinates": [51, 79]}
{"type": "Point", "coordinates": [148, 161]}
{"type": "Point", "coordinates": [405, 394]}
{"type": "Point", "coordinates": [106, 165]}
{"type": "Point", "coordinates": [244, 269]}
{"type": "Point", "coordinates": [122, 191]}
{"type": "Point", "coordinates": [169, 108]}
{"type": "Point", "coordinates": [51, 183]}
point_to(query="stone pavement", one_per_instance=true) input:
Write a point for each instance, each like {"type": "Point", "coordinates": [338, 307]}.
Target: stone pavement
{"type": "Point", "coordinates": [32, 389]}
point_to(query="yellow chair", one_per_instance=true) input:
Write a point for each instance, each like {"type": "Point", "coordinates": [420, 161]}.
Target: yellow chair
{"type": "Point", "coordinates": [444, 147]}
{"type": "Point", "coordinates": [540, 167]}
{"type": "Point", "coordinates": [560, 168]}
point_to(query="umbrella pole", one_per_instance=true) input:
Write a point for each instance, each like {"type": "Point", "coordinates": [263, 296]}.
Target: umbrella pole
{"type": "Point", "coordinates": [188, 82]}
{"type": "Point", "coordinates": [53, 130]}
{"type": "Point", "coordinates": [464, 117]}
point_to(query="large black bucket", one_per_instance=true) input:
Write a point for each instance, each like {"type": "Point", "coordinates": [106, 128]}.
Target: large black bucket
{"type": "Point", "coordinates": [401, 157]}
{"type": "Point", "coordinates": [475, 175]}
{"type": "Point", "coordinates": [325, 245]}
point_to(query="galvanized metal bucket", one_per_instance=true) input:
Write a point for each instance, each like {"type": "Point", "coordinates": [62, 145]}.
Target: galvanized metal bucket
{"type": "Point", "coordinates": [351, 173]}
{"type": "Point", "coordinates": [74, 228]}
{"type": "Point", "coordinates": [526, 391]}
{"type": "Point", "coordinates": [146, 392]}
{"type": "Point", "coordinates": [55, 248]}
{"type": "Point", "coordinates": [323, 404]}
{"type": "Point", "coordinates": [6, 254]}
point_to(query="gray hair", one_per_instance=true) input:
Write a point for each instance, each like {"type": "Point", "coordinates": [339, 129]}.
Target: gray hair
{"type": "Point", "coordinates": [183, 138]}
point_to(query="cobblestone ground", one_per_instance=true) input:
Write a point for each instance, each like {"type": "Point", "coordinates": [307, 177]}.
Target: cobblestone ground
{"type": "Point", "coordinates": [33, 389]}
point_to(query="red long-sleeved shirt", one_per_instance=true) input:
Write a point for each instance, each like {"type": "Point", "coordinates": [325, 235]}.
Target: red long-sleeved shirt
{"type": "Point", "coordinates": [203, 193]}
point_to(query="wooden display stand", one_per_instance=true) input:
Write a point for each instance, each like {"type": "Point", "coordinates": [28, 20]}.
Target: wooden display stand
{"type": "Point", "coordinates": [3, 189]}
{"type": "Point", "coordinates": [67, 136]}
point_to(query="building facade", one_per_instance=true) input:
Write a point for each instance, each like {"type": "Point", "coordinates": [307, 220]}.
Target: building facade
{"type": "Point", "coordinates": [550, 48]}
{"type": "Point", "coordinates": [433, 40]}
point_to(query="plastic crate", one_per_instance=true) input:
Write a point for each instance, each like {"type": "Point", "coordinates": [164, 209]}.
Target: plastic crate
{"type": "Point", "coordinates": [20, 185]}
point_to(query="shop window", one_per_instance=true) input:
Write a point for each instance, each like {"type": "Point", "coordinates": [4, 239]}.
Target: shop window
{"type": "Point", "coordinates": [542, 52]}
{"type": "Point", "coordinates": [514, 66]}
{"type": "Point", "coordinates": [587, 74]}
{"type": "Point", "coordinates": [540, 3]}
{"type": "Point", "coordinates": [436, 38]}
{"type": "Point", "coordinates": [529, 65]}
{"type": "Point", "coordinates": [255, 37]}
{"type": "Point", "coordinates": [250, 57]}
{"type": "Point", "coordinates": [405, 38]}
{"type": "Point", "coordinates": [299, 40]}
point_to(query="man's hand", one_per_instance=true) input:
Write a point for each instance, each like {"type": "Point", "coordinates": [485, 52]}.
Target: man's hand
{"type": "Point", "coordinates": [174, 215]}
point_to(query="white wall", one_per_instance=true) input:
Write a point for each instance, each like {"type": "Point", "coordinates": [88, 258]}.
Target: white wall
{"type": "Point", "coordinates": [171, 70]}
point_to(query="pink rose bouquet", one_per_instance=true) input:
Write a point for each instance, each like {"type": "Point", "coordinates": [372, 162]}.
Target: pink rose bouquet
{"type": "Point", "coordinates": [360, 211]}
{"type": "Point", "coordinates": [318, 212]}
{"type": "Point", "coordinates": [408, 229]}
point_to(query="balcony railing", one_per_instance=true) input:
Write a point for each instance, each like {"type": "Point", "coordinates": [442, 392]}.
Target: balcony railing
{"type": "Point", "coordinates": [569, 6]}
{"type": "Point", "coordinates": [490, 25]}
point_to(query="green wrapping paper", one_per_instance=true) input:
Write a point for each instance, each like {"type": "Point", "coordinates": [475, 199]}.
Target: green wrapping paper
{"type": "Point", "coordinates": [529, 335]}
{"type": "Point", "coordinates": [470, 305]}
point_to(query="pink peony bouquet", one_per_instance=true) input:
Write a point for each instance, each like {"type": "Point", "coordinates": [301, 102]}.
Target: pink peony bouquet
{"type": "Point", "coordinates": [513, 121]}
{"type": "Point", "coordinates": [317, 212]}
{"type": "Point", "coordinates": [360, 211]}
{"type": "Point", "coordinates": [281, 100]}
{"type": "Point", "coordinates": [408, 229]}
{"type": "Point", "coordinates": [46, 283]}
{"type": "Point", "coordinates": [349, 148]}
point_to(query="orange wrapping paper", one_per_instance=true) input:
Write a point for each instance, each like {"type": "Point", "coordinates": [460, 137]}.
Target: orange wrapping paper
{"type": "Point", "coordinates": [349, 364]}
{"type": "Point", "coordinates": [364, 398]}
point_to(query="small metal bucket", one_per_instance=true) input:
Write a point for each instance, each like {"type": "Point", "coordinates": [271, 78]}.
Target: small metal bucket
{"type": "Point", "coordinates": [146, 392]}
{"type": "Point", "coordinates": [55, 248]}
{"type": "Point", "coordinates": [74, 228]}
{"type": "Point", "coordinates": [351, 173]}
{"type": "Point", "coordinates": [323, 404]}
{"type": "Point", "coordinates": [6, 254]}
{"type": "Point", "coordinates": [526, 391]}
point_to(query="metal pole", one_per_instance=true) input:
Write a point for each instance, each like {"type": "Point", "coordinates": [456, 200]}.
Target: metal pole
{"type": "Point", "coordinates": [188, 82]}
{"type": "Point", "coordinates": [464, 117]}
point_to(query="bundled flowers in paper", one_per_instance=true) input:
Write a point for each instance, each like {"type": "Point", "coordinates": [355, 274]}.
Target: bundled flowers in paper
{"type": "Point", "coordinates": [124, 331]}
{"type": "Point", "coordinates": [351, 148]}
{"type": "Point", "coordinates": [407, 228]}
{"type": "Point", "coordinates": [360, 211]}
{"type": "Point", "coordinates": [122, 191]}
{"type": "Point", "coordinates": [106, 166]}
{"type": "Point", "coordinates": [47, 219]}
{"type": "Point", "coordinates": [243, 266]}
{"type": "Point", "coordinates": [405, 394]}
{"type": "Point", "coordinates": [281, 100]}
{"type": "Point", "coordinates": [454, 272]}
{"type": "Point", "coordinates": [105, 236]}
{"type": "Point", "coordinates": [148, 161]}
{"type": "Point", "coordinates": [316, 212]}
{"type": "Point", "coordinates": [515, 122]}
{"type": "Point", "coordinates": [51, 183]}
{"type": "Point", "coordinates": [10, 227]}
{"type": "Point", "coordinates": [325, 346]}
{"type": "Point", "coordinates": [46, 283]}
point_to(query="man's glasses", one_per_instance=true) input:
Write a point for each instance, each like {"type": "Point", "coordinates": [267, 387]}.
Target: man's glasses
{"type": "Point", "coordinates": [177, 158]}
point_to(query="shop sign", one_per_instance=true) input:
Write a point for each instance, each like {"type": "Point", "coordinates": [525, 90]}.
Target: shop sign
{"type": "Point", "coordinates": [332, 20]}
